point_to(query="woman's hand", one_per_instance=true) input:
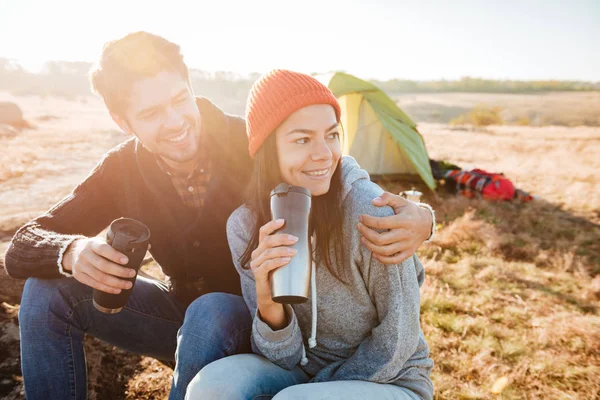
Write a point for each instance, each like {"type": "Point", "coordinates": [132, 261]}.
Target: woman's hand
{"type": "Point", "coordinates": [272, 253]}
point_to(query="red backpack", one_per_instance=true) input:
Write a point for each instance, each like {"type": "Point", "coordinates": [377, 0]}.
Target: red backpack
{"type": "Point", "coordinates": [477, 182]}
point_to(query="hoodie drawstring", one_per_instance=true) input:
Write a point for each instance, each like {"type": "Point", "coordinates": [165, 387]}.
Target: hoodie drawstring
{"type": "Point", "coordinates": [312, 341]}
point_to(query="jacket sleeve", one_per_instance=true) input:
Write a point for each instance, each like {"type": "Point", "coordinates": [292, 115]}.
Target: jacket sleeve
{"type": "Point", "coordinates": [238, 149]}
{"type": "Point", "coordinates": [282, 347]}
{"type": "Point", "coordinates": [36, 249]}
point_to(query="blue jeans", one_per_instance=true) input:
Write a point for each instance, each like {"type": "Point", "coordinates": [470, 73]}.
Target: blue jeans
{"type": "Point", "coordinates": [252, 377]}
{"type": "Point", "coordinates": [55, 315]}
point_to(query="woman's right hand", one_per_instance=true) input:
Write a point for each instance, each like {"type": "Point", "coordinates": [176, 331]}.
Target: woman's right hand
{"type": "Point", "coordinates": [272, 253]}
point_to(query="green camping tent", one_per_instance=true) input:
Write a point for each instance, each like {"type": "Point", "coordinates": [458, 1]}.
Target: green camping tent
{"type": "Point", "coordinates": [380, 136]}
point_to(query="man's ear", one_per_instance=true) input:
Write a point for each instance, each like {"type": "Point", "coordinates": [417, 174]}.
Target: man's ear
{"type": "Point", "coordinates": [122, 123]}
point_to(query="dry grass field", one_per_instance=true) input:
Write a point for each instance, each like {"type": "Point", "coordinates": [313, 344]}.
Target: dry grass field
{"type": "Point", "coordinates": [536, 109]}
{"type": "Point", "coordinates": [511, 303]}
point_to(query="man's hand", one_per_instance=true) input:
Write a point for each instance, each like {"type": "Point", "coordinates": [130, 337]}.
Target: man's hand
{"type": "Point", "coordinates": [406, 230]}
{"type": "Point", "coordinates": [96, 264]}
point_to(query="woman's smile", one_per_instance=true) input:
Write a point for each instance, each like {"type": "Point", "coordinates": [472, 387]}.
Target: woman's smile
{"type": "Point", "coordinates": [319, 174]}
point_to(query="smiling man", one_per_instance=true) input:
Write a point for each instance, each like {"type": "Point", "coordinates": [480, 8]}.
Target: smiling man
{"type": "Point", "coordinates": [182, 173]}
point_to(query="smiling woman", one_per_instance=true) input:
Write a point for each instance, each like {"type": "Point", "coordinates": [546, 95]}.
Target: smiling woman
{"type": "Point", "coordinates": [296, 144]}
{"type": "Point", "coordinates": [293, 134]}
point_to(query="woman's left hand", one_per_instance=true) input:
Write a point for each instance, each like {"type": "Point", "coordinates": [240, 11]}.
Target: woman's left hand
{"type": "Point", "coordinates": [406, 230]}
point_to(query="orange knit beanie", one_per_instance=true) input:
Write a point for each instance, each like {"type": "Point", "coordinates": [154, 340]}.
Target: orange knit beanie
{"type": "Point", "coordinates": [275, 96]}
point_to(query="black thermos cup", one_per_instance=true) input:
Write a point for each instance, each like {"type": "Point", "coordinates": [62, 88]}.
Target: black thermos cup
{"type": "Point", "coordinates": [290, 284]}
{"type": "Point", "coordinates": [130, 237]}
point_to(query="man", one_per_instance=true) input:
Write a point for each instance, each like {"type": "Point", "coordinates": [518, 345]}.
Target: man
{"type": "Point", "coordinates": [182, 173]}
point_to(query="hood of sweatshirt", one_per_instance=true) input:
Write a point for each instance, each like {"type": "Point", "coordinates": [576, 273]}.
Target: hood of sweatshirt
{"type": "Point", "coordinates": [351, 173]}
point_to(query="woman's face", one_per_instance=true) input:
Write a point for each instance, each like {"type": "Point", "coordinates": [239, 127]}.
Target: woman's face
{"type": "Point", "coordinates": [309, 148]}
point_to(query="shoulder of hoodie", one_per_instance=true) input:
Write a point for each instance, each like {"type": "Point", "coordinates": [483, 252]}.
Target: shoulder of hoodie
{"type": "Point", "coordinates": [359, 201]}
{"type": "Point", "coordinates": [241, 223]}
{"type": "Point", "coordinates": [360, 193]}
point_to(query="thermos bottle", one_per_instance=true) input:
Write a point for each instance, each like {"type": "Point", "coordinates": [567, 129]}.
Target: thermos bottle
{"type": "Point", "coordinates": [290, 283]}
{"type": "Point", "coordinates": [130, 237]}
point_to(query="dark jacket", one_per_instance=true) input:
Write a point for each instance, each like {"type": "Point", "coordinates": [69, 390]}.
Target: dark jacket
{"type": "Point", "coordinates": [188, 244]}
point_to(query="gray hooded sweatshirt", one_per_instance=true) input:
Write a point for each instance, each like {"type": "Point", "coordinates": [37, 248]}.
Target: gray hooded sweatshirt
{"type": "Point", "coordinates": [366, 330]}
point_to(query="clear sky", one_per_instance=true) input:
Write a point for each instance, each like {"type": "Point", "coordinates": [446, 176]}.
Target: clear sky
{"type": "Point", "coordinates": [379, 39]}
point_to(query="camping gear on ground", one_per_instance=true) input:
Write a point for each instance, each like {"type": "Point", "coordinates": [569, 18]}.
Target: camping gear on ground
{"type": "Point", "coordinates": [130, 237]}
{"type": "Point", "coordinates": [440, 167]}
{"type": "Point", "coordinates": [477, 182]}
{"type": "Point", "coordinates": [290, 283]}
{"type": "Point", "coordinates": [523, 196]}
{"type": "Point", "coordinates": [412, 195]}
{"type": "Point", "coordinates": [380, 136]}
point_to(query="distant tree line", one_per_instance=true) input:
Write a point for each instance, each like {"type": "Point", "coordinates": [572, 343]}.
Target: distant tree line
{"type": "Point", "coordinates": [69, 79]}
{"type": "Point", "coordinates": [469, 84]}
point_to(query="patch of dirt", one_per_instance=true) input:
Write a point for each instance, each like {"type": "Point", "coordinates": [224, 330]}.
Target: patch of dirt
{"type": "Point", "coordinates": [11, 382]}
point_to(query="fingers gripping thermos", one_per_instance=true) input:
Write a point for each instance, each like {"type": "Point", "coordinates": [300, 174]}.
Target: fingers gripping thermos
{"type": "Point", "coordinates": [130, 237]}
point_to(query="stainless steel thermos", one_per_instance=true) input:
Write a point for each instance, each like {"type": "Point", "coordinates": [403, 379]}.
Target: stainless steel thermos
{"type": "Point", "coordinates": [290, 283]}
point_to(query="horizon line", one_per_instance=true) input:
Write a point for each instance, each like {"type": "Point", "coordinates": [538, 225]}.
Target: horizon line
{"type": "Point", "coordinates": [39, 70]}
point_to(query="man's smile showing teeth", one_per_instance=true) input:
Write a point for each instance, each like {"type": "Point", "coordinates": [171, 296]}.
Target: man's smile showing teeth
{"type": "Point", "coordinates": [179, 138]}
{"type": "Point", "coordinates": [321, 172]}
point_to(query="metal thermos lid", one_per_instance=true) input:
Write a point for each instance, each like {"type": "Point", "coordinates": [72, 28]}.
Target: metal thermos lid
{"type": "Point", "coordinates": [284, 188]}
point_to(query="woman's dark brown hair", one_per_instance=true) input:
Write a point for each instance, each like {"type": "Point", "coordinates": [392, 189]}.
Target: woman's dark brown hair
{"type": "Point", "coordinates": [326, 217]}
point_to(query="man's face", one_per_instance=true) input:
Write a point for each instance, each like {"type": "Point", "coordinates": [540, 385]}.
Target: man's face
{"type": "Point", "coordinates": [163, 115]}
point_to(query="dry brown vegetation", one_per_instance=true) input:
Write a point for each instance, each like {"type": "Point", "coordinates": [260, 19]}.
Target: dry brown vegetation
{"type": "Point", "coordinates": [510, 307]}
{"type": "Point", "coordinates": [537, 109]}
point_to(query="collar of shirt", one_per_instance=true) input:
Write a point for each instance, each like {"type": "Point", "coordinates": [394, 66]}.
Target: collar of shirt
{"type": "Point", "coordinates": [174, 175]}
{"type": "Point", "coordinates": [201, 164]}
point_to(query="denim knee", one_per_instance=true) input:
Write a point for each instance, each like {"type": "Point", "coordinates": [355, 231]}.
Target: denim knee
{"type": "Point", "coordinates": [205, 389]}
{"type": "Point", "coordinates": [218, 317]}
{"type": "Point", "coordinates": [216, 304]}
{"type": "Point", "coordinates": [296, 392]}
{"type": "Point", "coordinates": [226, 378]}
{"type": "Point", "coordinates": [35, 302]}
{"type": "Point", "coordinates": [43, 299]}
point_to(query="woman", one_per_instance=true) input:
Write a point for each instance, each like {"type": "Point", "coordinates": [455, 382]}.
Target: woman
{"type": "Point", "coordinates": [368, 342]}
